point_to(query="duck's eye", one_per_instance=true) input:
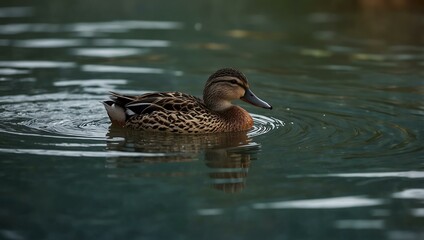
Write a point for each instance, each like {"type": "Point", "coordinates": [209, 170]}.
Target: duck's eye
{"type": "Point", "coordinates": [233, 82]}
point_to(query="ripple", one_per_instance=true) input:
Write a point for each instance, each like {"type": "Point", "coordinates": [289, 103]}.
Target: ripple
{"type": "Point", "coordinates": [18, 28]}
{"type": "Point", "coordinates": [123, 26]}
{"type": "Point", "coordinates": [417, 212]}
{"type": "Point", "coordinates": [76, 117]}
{"type": "Point", "coordinates": [346, 135]}
{"type": "Point", "coordinates": [36, 64]}
{"type": "Point", "coordinates": [64, 153]}
{"type": "Point", "coordinates": [99, 86]}
{"type": "Point", "coordinates": [121, 69]}
{"type": "Point", "coordinates": [48, 43]}
{"type": "Point", "coordinates": [107, 52]}
{"type": "Point", "coordinates": [338, 68]}
{"type": "Point", "coordinates": [417, 193]}
{"type": "Point", "coordinates": [407, 174]}
{"type": "Point", "coordinates": [324, 203]}
{"type": "Point", "coordinates": [210, 212]}
{"type": "Point", "coordinates": [89, 28]}
{"type": "Point", "coordinates": [12, 71]}
{"type": "Point", "coordinates": [263, 124]}
{"type": "Point", "coordinates": [91, 82]}
{"type": "Point", "coordinates": [131, 43]}
{"type": "Point", "coordinates": [53, 115]}
{"type": "Point", "coordinates": [81, 116]}
{"type": "Point", "coordinates": [359, 224]}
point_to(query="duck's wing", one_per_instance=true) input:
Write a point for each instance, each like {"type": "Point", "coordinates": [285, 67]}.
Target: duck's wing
{"type": "Point", "coordinates": [121, 99]}
{"type": "Point", "coordinates": [122, 107]}
{"type": "Point", "coordinates": [165, 101]}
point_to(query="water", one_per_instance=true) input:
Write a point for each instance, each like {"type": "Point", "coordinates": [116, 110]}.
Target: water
{"type": "Point", "coordinates": [339, 157]}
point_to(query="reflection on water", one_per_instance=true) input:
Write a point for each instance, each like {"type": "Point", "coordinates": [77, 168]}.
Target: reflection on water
{"type": "Point", "coordinates": [228, 155]}
{"type": "Point", "coordinates": [121, 69]}
{"type": "Point", "coordinates": [131, 43]}
{"type": "Point", "coordinates": [89, 29]}
{"type": "Point", "coordinates": [36, 64]}
{"type": "Point", "coordinates": [359, 224]}
{"type": "Point", "coordinates": [122, 26]}
{"type": "Point", "coordinates": [48, 43]}
{"type": "Point", "coordinates": [408, 174]}
{"type": "Point", "coordinates": [328, 203]}
{"type": "Point", "coordinates": [107, 52]}
{"type": "Point", "coordinates": [410, 194]}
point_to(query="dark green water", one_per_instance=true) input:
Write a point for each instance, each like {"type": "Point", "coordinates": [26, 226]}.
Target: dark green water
{"type": "Point", "coordinates": [339, 157]}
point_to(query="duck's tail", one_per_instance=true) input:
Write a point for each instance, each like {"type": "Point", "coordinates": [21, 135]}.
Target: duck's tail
{"type": "Point", "coordinates": [116, 108]}
{"type": "Point", "coordinates": [115, 112]}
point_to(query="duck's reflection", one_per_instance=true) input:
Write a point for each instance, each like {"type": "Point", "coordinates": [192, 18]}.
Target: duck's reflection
{"type": "Point", "coordinates": [228, 155]}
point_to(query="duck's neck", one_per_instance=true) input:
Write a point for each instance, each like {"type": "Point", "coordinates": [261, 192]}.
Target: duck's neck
{"type": "Point", "coordinates": [237, 118]}
{"type": "Point", "coordinates": [216, 103]}
{"type": "Point", "coordinates": [220, 106]}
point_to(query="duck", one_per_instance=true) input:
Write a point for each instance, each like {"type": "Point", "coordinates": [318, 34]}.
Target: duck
{"type": "Point", "coordinates": [177, 112]}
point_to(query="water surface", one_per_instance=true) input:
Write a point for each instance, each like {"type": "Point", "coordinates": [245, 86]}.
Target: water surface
{"type": "Point", "coordinates": [340, 156]}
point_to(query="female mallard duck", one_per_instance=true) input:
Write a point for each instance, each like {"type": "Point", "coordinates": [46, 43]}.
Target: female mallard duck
{"type": "Point", "coordinates": [182, 113]}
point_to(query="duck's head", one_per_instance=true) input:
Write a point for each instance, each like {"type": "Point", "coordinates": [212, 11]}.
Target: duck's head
{"type": "Point", "coordinates": [226, 85]}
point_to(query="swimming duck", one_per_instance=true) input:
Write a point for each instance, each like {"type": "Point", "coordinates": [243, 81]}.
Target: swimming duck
{"type": "Point", "coordinates": [182, 113]}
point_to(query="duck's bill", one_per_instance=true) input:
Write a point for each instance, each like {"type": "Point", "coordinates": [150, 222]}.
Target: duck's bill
{"type": "Point", "coordinates": [251, 98]}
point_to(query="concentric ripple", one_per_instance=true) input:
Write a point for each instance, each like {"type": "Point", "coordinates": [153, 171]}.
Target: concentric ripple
{"type": "Point", "coordinates": [263, 124]}
{"type": "Point", "coordinates": [58, 115]}
{"type": "Point", "coordinates": [346, 135]}
{"type": "Point", "coordinates": [81, 117]}
{"type": "Point", "coordinates": [75, 120]}
{"type": "Point", "coordinates": [76, 116]}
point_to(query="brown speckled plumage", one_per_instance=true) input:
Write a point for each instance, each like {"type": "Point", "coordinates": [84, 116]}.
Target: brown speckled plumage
{"type": "Point", "coordinates": [182, 113]}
